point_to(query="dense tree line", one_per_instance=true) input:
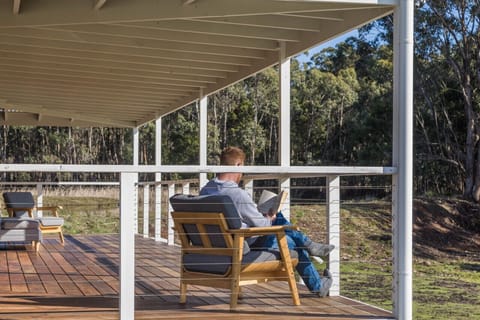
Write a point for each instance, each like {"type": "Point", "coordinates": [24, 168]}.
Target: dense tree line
{"type": "Point", "coordinates": [341, 110]}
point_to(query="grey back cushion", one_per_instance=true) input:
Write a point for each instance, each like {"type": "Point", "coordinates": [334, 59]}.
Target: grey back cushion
{"type": "Point", "coordinates": [208, 203]}
{"type": "Point", "coordinates": [19, 200]}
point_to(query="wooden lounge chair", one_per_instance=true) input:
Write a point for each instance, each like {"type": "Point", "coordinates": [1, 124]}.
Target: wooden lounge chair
{"type": "Point", "coordinates": [22, 204]}
{"type": "Point", "coordinates": [214, 251]}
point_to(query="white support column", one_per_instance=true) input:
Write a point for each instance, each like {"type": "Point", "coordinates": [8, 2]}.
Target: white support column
{"type": "Point", "coordinates": [135, 146]}
{"type": "Point", "coordinates": [135, 139]}
{"type": "Point", "coordinates": [333, 226]}
{"type": "Point", "coordinates": [203, 136]}
{"type": "Point", "coordinates": [146, 210]}
{"type": "Point", "coordinates": [395, 143]}
{"type": "Point", "coordinates": [248, 187]}
{"type": "Point", "coordinates": [285, 185]}
{"type": "Point", "coordinates": [186, 188]}
{"type": "Point", "coordinates": [128, 202]}
{"type": "Point", "coordinates": [39, 199]}
{"type": "Point", "coordinates": [403, 159]}
{"type": "Point", "coordinates": [284, 134]}
{"type": "Point", "coordinates": [171, 234]}
{"type": "Point", "coordinates": [158, 178]}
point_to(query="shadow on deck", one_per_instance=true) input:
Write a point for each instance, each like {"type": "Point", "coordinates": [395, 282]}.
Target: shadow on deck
{"type": "Point", "coordinates": [80, 281]}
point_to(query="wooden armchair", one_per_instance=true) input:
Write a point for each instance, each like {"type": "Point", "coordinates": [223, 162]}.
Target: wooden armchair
{"type": "Point", "coordinates": [22, 204]}
{"type": "Point", "coordinates": [214, 251]}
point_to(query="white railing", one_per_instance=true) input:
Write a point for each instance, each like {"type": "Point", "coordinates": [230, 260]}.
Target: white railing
{"type": "Point", "coordinates": [129, 195]}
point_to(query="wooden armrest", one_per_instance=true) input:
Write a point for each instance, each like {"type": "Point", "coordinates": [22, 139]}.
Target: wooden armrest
{"type": "Point", "coordinates": [49, 208]}
{"type": "Point", "coordinates": [19, 209]}
{"type": "Point", "coordinates": [259, 231]}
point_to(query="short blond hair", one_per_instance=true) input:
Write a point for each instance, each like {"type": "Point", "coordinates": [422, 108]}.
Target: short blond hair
{"type": "Point", "coordinates": [231, 156]}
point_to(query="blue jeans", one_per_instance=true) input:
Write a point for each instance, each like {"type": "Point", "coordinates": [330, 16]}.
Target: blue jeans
{"type": "Point", "coordinates": [296, 241]}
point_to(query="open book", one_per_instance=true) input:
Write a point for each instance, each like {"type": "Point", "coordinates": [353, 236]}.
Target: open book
{"type": "Point", "coordinates": [269, 200]}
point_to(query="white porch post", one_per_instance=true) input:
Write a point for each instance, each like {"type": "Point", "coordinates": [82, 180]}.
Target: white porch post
{"type": "Point", "coordinates": [146, 210]}
{"type": "Point", "coordinates": [39, 199]}
{"type": "Point", "coordinates": [402, 183]}
{"type": "Point", "coordinates": [135, 139]}
{"type": "Point", "coordinates": [171, 234]}
{"type": "Point", "coordinates": [135, 146]}
{"type": "Point", "coordinates": [158, 178]}
{"type": "Point", "coordinates": [128, 203]}
{"type": "Point", "coordinates": [333, 225]}
{"type": "Point", "coordinates": [186, 188]}
{"type": "Point", "coordinates": [203, 136]}
{"type": "Point", "coordinates": [284, 143]}
{"type": "Point", "coordinates": [248, 187]}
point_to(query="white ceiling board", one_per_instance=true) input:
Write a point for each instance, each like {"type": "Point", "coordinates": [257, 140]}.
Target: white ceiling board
{"type": "Point", "coordinates": [124, 63]}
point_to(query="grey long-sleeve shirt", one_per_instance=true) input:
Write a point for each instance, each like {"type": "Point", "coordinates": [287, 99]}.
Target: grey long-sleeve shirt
{"type": "Point", "coordinates": [241, 199]}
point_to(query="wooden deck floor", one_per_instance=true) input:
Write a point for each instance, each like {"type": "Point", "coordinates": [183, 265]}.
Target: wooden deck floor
{"type": "Point", "coordinates": [80, 281]}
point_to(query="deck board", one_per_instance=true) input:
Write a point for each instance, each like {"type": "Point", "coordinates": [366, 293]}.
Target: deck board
{"type": "Point", "coordinates": [80, 281]}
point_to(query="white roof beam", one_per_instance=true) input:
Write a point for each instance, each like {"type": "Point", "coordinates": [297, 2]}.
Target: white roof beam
{"type": "Point", "coordinates": [120, 85]}
{"type": "Point", "coordinates": [20, 64]}
{"type": "Point", "coordinates": [44, 93]}
{"type": "Point", "coordinates": [95, 104]}
{"type": "Point", "coordinates": [93, 90]}
{"type": "Point", "coordinates": [205, 27]}
{"type": "Point", "coordinates": [49, 74]}
{"type": "Point", "coordinates": [188, 2]}
{"type": "Point", "coordinates": [82, 61]}
{"type": "Point", "coordinates": [16, 7]}
{"type": "Point", "coordinates": [68, 115]}
{"type": "Point", "coordinates": [39, 38]}
{"type": "Point", "coordinates": [93, 43]}
{"type": "Point", "coordinates": [272, 21]}
{"type": "Point", "coordinates": [336, 17]}
{"type": "Point", "coordinates": [98, 4]}
{"type": "Point", "coordinates": [110, 54]}
{"type": "Point", "coordinates": [147, 34]}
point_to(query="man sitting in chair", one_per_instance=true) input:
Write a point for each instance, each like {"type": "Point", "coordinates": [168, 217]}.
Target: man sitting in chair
{"type": "Point", "coordinates": [226, 183]}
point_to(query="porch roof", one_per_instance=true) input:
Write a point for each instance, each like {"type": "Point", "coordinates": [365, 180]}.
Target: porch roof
{"type": "Point", "coordinates": [123, 63]}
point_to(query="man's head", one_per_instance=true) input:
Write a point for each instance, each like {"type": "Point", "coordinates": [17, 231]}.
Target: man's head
{"type": "Point", "coordinates": [232, 156]}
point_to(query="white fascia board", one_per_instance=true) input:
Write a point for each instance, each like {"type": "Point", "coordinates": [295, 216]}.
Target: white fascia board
{"type": "Point", "coordinates": [62, 12]}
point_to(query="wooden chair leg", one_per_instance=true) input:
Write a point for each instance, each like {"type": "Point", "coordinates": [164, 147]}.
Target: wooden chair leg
{"type": "Point", "coordinates": [183, 292]}
{"type": "Point", "coordinates": [36, 245]}
{"type": "Point", "coordinates": [62, 239]}
{"type": "Point", "coordinates": [235, 291]}
{"type": "Point", "coordinates": [236, 265]}
{"type": "Point", "coordinates": [289, 268]}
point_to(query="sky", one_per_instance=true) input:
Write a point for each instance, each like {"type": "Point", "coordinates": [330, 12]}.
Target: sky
{"type": "Point", "coordinates": [306, 56]}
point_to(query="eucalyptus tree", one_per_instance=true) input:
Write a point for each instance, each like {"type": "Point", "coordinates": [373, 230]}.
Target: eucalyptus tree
{"type": "Point", "coordinates": [448, 46]}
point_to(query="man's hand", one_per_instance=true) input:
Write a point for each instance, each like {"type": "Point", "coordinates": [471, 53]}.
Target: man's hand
{"type": "Point", "coordinates": [272, 214]}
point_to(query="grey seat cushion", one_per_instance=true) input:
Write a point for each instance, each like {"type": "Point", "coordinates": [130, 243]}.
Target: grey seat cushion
{"type": "Point", "coordinates": [20, 235]}
{"type": "Point", "coordinates": [18, 223]}
{"type": "Point", "coordinates": [208, 263]}
{"type": "Point", "coordinates": [51, 221]}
